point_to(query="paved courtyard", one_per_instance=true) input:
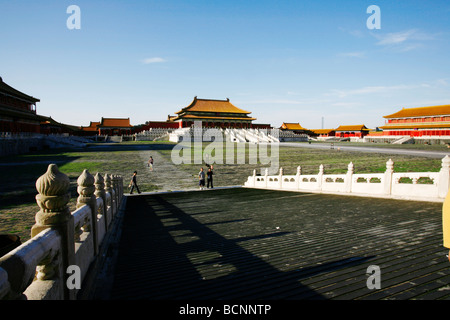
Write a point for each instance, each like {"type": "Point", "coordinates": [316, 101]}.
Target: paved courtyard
{"type": "Point", "coordinates": [242, 243]}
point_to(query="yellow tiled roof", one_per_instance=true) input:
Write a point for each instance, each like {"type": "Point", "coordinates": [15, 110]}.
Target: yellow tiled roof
{"type": "Point", "coordinates": [191, 116]}
{"type": "Point", "coordinates": [209, 105]}
{"type": "Point", "coordinates": [115, 122]}
{"type": "Point", "coordinates": [292, 126]}
{"type": "Point", "coordinates": [92, 126]}
{"type": "Point", "coordinates": [421, 112]}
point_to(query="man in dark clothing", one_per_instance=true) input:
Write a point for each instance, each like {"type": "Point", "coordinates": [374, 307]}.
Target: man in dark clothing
{"type": "Point", "coordinates": [209, 176]}
{"type": "Point", "coordinates": [133, 183]}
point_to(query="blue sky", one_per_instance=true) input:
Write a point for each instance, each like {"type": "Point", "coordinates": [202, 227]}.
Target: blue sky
{"type": "Point", "coordinates": [285, 61]}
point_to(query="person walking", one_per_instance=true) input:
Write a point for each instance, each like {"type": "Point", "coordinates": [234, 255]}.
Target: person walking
{"type": "Point", "coordinates": [201, 179]}
{"type": "Point", "coordinates": [133, 183]}
{"type": "Point", "coordinates": [150, 163]}
{"type": "Point", "coordinates": [209, 176]}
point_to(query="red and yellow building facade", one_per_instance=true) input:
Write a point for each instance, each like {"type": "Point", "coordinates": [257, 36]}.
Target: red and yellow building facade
{"type": "Point", "coordinates": [350, 131]}
{"type": "Point", "coordinates": [323, 133]}
{"type": "Point", "coordinates": [115, 127]}
{"type": "Point", "coordinates": [418, 122]}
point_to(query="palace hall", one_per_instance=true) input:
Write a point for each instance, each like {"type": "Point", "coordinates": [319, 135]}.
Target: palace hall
{"type": "Point", "coordinates": [212, 113]}
{"type": "Point", "coordinates": [418, 122]}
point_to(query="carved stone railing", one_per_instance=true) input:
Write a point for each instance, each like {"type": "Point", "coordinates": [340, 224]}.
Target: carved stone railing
{"type": "Point", "coordinates": [54, 262]}
{"type": "Point", "coordinates": [425, 186]}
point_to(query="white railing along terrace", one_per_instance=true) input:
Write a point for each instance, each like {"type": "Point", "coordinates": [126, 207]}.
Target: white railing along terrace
{"type": "Point", "coordinates": [424, 186]}
{"type": "Point", "coordinates": [60, 239]}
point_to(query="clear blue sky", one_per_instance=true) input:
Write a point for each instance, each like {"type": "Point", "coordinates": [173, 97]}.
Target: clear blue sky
{"type": "Point", "coordinates": [285, 61]}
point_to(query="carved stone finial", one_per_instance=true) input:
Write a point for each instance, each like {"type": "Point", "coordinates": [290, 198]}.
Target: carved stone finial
{"type": "Point", "coordinates": [99, 186]}
{"type": "Point", "coordinates": [115, 179]}
{"type": "Point", "coordinates": [85, 189]}
{"type": "Point", "coordinates": [350, 167]}
{"type": "Point", "coordinates": [53, 196]}
{"type": "Point", "coordinates": [299, 170]}
{"type": "Point", "coordinates": [390, 165]}
{"type": "Point", "coordinates": [321, 169]}
{"type": "Point", "coordinates": [108, 183]}
{"type": "Point", "coordinates": [446, 162]}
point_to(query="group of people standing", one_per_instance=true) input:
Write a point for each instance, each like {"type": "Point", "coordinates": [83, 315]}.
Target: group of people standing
{"type": "Point", "coordinates": [202, 176]}
{"type": "Point", "coordinates": [209, 177]}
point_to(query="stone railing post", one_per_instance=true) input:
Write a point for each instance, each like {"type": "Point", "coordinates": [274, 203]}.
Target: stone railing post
{"type": "Point", "coordinates": [297, 177]}
{"type": "Point", "coordinates": [100, 190]}
{"type": "Point", "coordinates": [113, 194]}
{"type": "Point", "coordinates": [320, 176]}
{"type": "Point", "coordinates": [349, 177]}
{"type": "Point", "coordinates": [86, 190]}
{"type": "Point", "coordinates": [266, 176]}
{"type": "Point", "coordinates": [388, 177]}
{"type": "Point", "coordinates": [444, 177]}
{"type": "Point", "coordinates": [120, 180]}
{"type": "Point", "coordinates": [110, 190]}
{"type": "Point", "coordinates": [52, 198]}
{"type": "Point", "coordinates": [280, 179]}
{"type": "Point", "coordinates": [116, 190]}
{"type": "Point", "coordinates": [254, 178]}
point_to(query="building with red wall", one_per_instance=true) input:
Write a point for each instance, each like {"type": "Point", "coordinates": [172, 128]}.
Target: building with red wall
{"type": "Point", "coordinates": [417, 122]}
{"type": "Point", "coordinates": [357, 131]}
{"type": "Point", "coordinates": [115, 126]}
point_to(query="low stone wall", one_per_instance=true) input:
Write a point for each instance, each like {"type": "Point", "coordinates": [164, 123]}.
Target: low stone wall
{"type": "Point", "coordinates": [423, 186]}
{"type": "Point", "coordinates": [24, 143]}
{"type": "Point", "coordinates": [54, 262]}
{"type": "Point", "coordinates": [21, 145]}
{"type": "Point", "coordinates": [415, 140]}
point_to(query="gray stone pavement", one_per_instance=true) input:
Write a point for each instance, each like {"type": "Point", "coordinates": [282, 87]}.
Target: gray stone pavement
{"type": "Point", "coordinates": [261, 244]}
{"type": "Point", "coordinates": [165, 174]}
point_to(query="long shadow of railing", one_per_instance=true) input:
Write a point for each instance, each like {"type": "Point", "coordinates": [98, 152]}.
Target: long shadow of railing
{"type": "Point", "coordinates": [152, 264]}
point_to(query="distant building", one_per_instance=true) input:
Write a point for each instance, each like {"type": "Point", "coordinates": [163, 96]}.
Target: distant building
{"type": "Point", "coordinates": [50, 126]}
{"type": "Point", "coordinates": [212, 113]}
{"type": "Point", "coordinates": [293, 127]}
{"type": "Point", "coordinates": [418, 122]}
{"type": "Point", "coordinates": [17, 111]}
{"type": "Point", "coordinates": [357, 131]}
{"type": "Point", "coordinates": [157, 125]}
{"type": "Point", "coordinates": [115, 126]}
{"type": "Point", "coordinates": [90, 130]}
{"type": "Point", "coordinates": [323, 133]}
